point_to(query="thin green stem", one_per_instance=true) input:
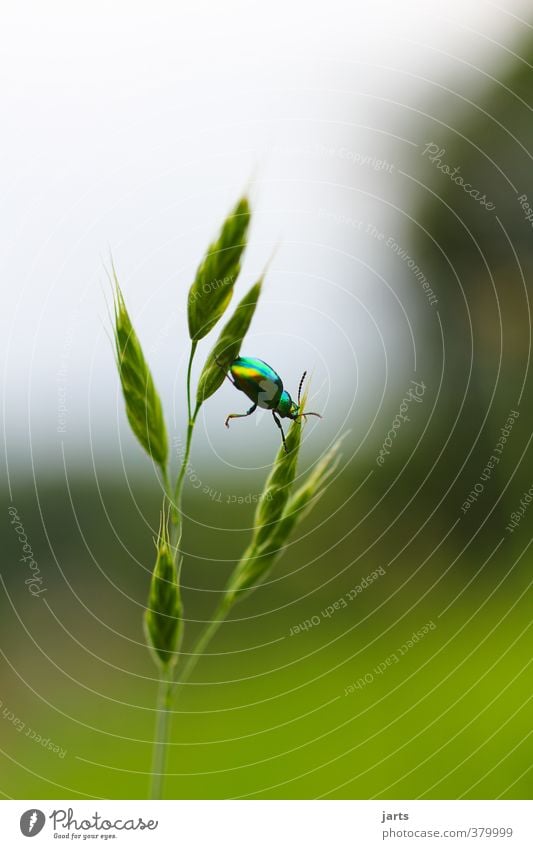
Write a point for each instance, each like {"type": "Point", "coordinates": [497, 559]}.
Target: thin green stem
{"type": "Point", "coordinates": [189, 368]}
{"type": "Point", "coordinates": [169, 494]}
{"type": "Point", "coordinates": [175, 530]}
{"type": "Point", "coordinates": [190, 427]}
{"type": "Point", "coordinates": [166, 683]}
{"type": "Point", "coordinates": [181, 476]}
{"type": "Point", "coordinates": [162, 729]}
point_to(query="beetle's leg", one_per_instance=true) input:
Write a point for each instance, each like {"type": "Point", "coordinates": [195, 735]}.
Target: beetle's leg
{"type": "Point", "coordinates": [281, 429]}
{"type": "Point", "coordinates": [252, 409]}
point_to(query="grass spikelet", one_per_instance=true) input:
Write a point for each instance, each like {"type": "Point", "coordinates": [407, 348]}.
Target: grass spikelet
{"type": "Point", "coordinates": [212, 289]}
{"type": "Point", "coordinates": [228, 345]}
{"type": "Point", "coordinates": [275, 523]}
{"type": "Point", "coordinates": [274, 498]}
{"type": "Point", "coordinates": [306, 497]}
{"type": "Point", "coordinates": [277, 488]}
{"type": "Point", "coordinates": [143, 405]}
{"type": "Point", "coordinates": [163, 616]}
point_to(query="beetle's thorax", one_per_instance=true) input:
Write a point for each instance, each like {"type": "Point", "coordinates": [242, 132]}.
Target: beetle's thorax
{"type": "Point", "coordinates": [287, 409]}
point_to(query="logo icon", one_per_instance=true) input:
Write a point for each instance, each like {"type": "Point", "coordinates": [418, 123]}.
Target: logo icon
{"type": "Point", "coordinates": [32, 822]}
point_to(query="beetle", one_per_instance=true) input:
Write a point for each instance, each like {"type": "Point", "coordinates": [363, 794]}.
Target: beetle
{"type": "Point", "coordinates": [264, 387]}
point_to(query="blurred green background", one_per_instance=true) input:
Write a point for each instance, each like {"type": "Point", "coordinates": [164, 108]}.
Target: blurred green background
{"type": "Point", "coordinates": [266, 714]}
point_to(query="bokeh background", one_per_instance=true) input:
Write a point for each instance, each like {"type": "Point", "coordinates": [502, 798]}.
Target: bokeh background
{"type": "Point", "coordinates": [130, 130]}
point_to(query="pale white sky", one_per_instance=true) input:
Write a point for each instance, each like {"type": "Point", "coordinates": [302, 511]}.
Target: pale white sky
{"type": "Point", "coordinates": [132, 127]}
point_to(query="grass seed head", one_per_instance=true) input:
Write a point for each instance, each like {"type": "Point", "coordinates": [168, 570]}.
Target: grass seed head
{"type": "Point", "coordinates": [277, 488]}
{"type": "Point", "coordinates": [278, 513]}
{"type": "Point", "coordinates": [212, 289]}
{"type": "Point", "coordinates": [228, 345]}
{"type": "Point", "coordinates": [163, 617]}
{"type": "Point", "coordinates": [304, 499]}
{"type": "Point", "coordinates": [143, 405]}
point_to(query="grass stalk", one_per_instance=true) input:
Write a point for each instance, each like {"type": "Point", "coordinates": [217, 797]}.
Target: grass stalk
{"type": "Point", "coordinates": [162, 729]}
{"type": "Point", "coordinates": [176, 497]}
{"type": "Point", "coordinates": [277, 513]}
{"type": "Point", "coordinates": [189, 370]}
{"type": "Point", "coordinates": [188, 441]}
{"type": "Point", "coordinates": [166, 683]}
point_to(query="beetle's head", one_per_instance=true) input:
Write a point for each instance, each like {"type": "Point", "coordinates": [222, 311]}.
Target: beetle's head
{"type": "Point", "coordinates": [289, 409]}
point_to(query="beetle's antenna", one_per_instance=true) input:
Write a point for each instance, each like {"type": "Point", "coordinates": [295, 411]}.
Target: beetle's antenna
{"type": "Point", "coordinates": [300, 386]}
{"type": "Point", "coordinates": [304, 415]}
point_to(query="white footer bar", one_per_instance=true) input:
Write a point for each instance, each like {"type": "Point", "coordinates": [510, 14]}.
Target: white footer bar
{"type": "Point", "coordinates": [268, 824]}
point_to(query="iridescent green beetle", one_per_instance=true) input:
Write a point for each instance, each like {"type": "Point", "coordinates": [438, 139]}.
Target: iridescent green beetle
{"type": "Point", "coordinates": [264, 387]}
